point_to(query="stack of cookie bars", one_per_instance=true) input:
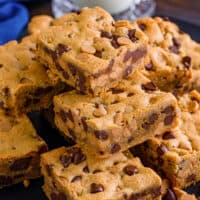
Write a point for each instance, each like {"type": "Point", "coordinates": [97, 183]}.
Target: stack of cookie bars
{"type": "Point", "coordinates": [134, 96]}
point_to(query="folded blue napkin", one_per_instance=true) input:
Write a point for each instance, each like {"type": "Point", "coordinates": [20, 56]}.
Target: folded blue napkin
{"type": "Point", "coordinates": [13, 18]}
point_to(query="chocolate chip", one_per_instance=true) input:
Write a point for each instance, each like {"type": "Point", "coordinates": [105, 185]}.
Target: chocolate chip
{"type": "Point", "coordinates": [49, 169]}
{"type": "Point", "coordinates": [153, 118]}
{"type": "Point", "coordinates": [117, 91]}
{"type": "Point", "coordinates": [145, 125]}
{"type": "Point", "coordinates": [61, 48]}
{"type": "Point", "coordinates": [149, 67]}
{"type": "Point", "coordinates": [83, 120]}
{"type": "Point", "coordinates": [191, 178]}
{"type": "Point", "coordinates": [138, 54]}
{"type": "Point", "coordinates": [176, 46]}
{"type": "Point", "coordinates": [78, 12]}
{"type": "Point", "coordinates": [102, 135]}
{"type": "Point", "coordinates": [6, 91]}
{"type": "Point", "coordinates": [110, 66]}
{"type": "Point", "coordinates": [65, 160]}
{"type": "Point", "coordinates": [130, 170]}
{"type": "Point", "coordinates": [128, 71]}
{"type": "Point", "coordinates": [81, 81]}
{"type": "Point", "coordinates": [86, 169]}
{"type": "Point", "coordinates": [65, 75]}
{"type": "Point", "coordinates": [5, 180]}
{"type": "Point", "coordinates": [142, 26]}
{"type": "Point", "coordinates": [1, 65]}
{"type": "Point", "coordinates": [176, 42]}
{"type": "Point", "coordinates": [132, 36]}
{"type": "Point", "coordinates": [76, 178]}
{"type": "Point", "coordinates": [63, 115]}
{"type": "Point", "coordinates": [70, 116]}
{"type": "Point", "coordinates": [169, 119]}
{"type": "Point", "coordinates": [106, 35]}
{"type": "Point", "coordinates": [106, 70]}
{"type": "Point", "coordinates": [72, 133]}
{"type": "Point", "coordinates": [96, 188]}
{"type": "Point", "coordinates": [78, 157]}
{"type": "Point", "coordinates": [96, 171]}
{"type": "Point", "coordinates": [98, 54]}
{"type": "Point", "coordinates": [168, 135]}
{"type": "Point", "coordinates": [1, 104]}
{"type": "Point", "coordinates": [52, 53]}
{"type": "Point", "coordinates": [127, 56]}
{"type": "Point", "coordinates": [72, 68]}
{"type": "Point", "coordinates": [21, 164]}
{"type": "Point", "coordinates": [168, 110]}
{"type": "Point", "coordinates": [187, 61]}
{"type": "Point", "coordinates": [162, 149]}
{"type": "Point", "coordinates": [130, 139]}
{"type": "Point", "coordinates": [170, 195]}
{"type": "Point", "coordinates": [174, 49]}
{"type": "Point", "coordinates": [115, 148]}
{"type": "Point", "coordinates": [114, 42]}
{"type": "Point", "coordinates": [149, 87]}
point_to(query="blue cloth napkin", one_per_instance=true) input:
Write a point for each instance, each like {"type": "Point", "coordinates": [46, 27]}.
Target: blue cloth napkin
{"type": "Point", "coordinates": [13, 18]}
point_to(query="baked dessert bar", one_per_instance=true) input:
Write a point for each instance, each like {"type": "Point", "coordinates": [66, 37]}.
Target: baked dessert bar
{"type": "Point", "coordinates": [123, 116]}
{"type": "Point", "coordinates": [20, 150]}
{"type": "Point", "coordinates": [69, 174]}
{"type": "Point", "coordinates": [171, 60]}
{"type": "Point", "coordinates": [176, 153]}
{"type": "Point", "coordinates": [26, 84]}
{"type": "Point", "coordinates": [88, 52]}
{"type": "Point", "coordinates": [168, 62]}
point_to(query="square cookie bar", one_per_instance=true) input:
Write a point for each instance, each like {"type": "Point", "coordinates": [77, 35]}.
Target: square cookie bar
{"type": "Point", "coordinates": [69, 174]}
{"type": "Point", "coordinates": [123, 116]}
{"type": "Point", "coordinates": [171, 56]}
{"type": "Point", "coordinates": [20, 149]}
{"type": "Point", "coordinates": [26, 84]}
{"type": "Point", "coordinates": [89, 52]}
{"type": "Point", "coordinates": [176, 153]}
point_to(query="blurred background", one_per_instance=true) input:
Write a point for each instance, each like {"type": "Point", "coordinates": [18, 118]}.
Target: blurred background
{"type": "Point", "coordinates": [187, 10]}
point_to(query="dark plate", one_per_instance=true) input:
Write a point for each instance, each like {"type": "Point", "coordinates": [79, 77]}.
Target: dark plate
{"type": "Point", "coordinates": [34, 191]}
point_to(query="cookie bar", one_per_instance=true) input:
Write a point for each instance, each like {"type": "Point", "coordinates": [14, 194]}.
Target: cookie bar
{"type": "Point", "coordinates": [171, 59]}
{"type": "Point", "coordinates": [123, 116]}
{"type": "Point", "coordinates": [69, 174]}
{"type": "Point", "coordinates": [26, 84]}
{"type": "Point", "coordinates": [20, 149]}
{"type": "Point", "coordinates": [88, 52]}
{"type": "Point", "coordinates": [176, 153]}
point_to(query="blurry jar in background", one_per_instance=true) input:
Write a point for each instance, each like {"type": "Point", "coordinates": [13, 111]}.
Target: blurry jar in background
{"type": "Point", "coordinates": [120, 9]}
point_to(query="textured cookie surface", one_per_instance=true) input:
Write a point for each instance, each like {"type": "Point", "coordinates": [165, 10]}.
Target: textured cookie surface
{"type": "Point", "coordinates": [20, 149]}
{"type": "Point", "coordinates": [176, 153]}
{"type": "Point", "coordinates": [26, 84]}
{"type": "Point", "coordinates": [123, 116]}
{"type": "Point", "coordinates": [71, 175]}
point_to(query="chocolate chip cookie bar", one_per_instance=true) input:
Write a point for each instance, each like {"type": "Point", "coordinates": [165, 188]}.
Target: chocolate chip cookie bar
{"type": "Point", "coordinates": [89, 52]}
{"type": "Point", "coordinates": [123, 116]}
{"type": "Point", "coordinates": [20, 150]}
{"type": "Point", "coordinates": [176, 153]}
{"type": "Point", "coordinates": [171, 61]}
{"type": "Point", "coordinates": [69, 174]}
{"type": "Point", "coordinates": [26, 84]}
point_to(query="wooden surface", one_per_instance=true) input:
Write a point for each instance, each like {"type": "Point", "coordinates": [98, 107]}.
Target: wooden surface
{"type": "Point", "coordinates": [187, 10]}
